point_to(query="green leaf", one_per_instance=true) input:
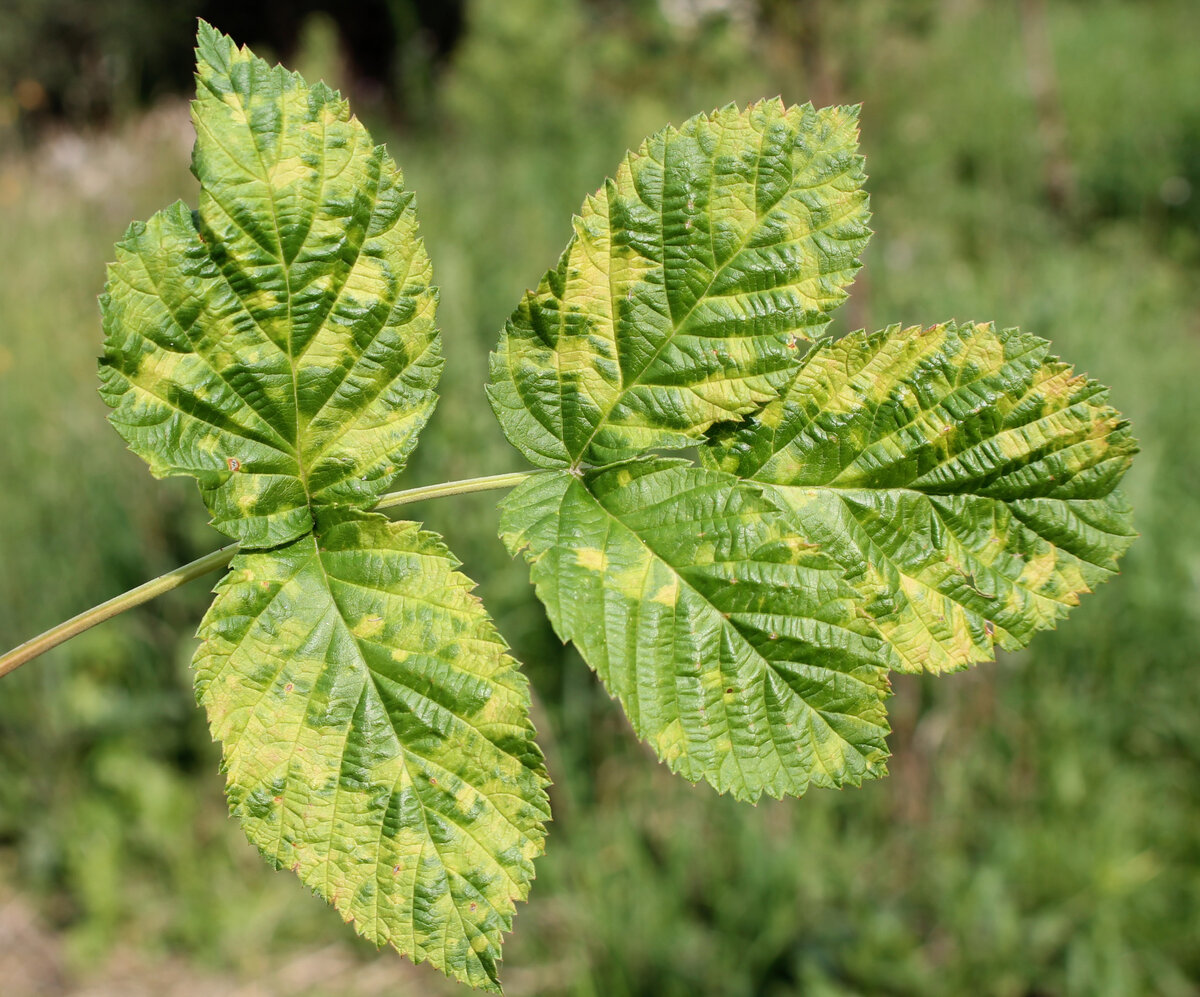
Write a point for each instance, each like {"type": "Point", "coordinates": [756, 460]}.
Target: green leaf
{"type": "Point", "coordinates": [963, 477]}
{"type": "Point", "coordinates": [691, 283]}
{"type": "Point", "coordinates": [278, 345]}
{"type": "Point", "coordinates": [736, 651]}
{"type": "Point", "coordinates": [377, 738]}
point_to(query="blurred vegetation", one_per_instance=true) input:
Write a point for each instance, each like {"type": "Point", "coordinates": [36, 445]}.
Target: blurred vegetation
{"type": "Point", "coordinates": [1040, 831]}
{"type": "Point", "coordinates": [89, 61]}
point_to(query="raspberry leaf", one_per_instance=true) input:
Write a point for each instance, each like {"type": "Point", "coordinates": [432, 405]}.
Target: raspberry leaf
{"type": "Point", "coordinates": [963, 477]}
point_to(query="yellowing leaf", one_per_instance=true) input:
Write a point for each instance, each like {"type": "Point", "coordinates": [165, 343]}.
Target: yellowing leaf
{"type": "Point", "coordinates": [737, 656]}
{"type": "Point", "coordinates": [963, 477]}
{"type": "Point", "coordinates": [377, 738]}
{"type": "Point", "coordinates": [278, 344]}
{"type": "Point", "coordinates": [693, 280]}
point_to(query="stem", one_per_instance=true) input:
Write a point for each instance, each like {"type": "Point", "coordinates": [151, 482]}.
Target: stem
{"type": "Point", "coordinates": [219, 559]}
{"type": "Point", "coordinates": [509, 480]}
{"type": "Point", "coordinates": [106, 610]}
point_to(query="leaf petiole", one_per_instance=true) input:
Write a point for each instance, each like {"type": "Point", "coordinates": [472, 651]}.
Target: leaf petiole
{"type": "Point", "coordinates": [447, 488]}
{"type": "Point", "coordinates": [219, 559]}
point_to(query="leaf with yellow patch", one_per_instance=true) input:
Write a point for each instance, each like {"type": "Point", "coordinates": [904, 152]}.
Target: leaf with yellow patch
{"type": "Point", "coordinates": [963, 477]}
{"type": "Point", "coordinates": [376, 737]}
{"type": "Point", "coordinates": [737, 655]}
{"type": "Point", "coordinates": [277, 344]}
{"type": "Point", "coordinates": [694, 278]}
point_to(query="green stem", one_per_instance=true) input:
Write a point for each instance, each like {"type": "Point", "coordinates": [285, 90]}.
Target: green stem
{"type": "Point", "coordinates": [106, 610]}
{"type": "Point", "coordinates": [510, 480]}
{"type": "Point", "coordinates": [219, 559]}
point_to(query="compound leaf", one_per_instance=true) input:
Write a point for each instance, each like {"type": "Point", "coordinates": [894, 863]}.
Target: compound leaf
{"type": "Point", "coordinates": [691, 281]}
{"type": "Point", "coordinates": [736, 651]}
{"type": "Point", "coordinates": [963, 477]}
{"type": "Point", "coordinates": [377, 738]}
{"type": "Point", "coordinates": [278, 344]}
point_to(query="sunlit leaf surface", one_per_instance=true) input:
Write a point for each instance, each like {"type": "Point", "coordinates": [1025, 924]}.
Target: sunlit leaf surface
{"type": "Point", "coordinates": [693, 280]}
{"type": "Point", "coordinates": [736, 652]}
{"type": "Point", "coordinates": [376, 737]}
{"type": "Point", "coordinates": [278, 344]}
{"type": "Point", "coordinates": [963, 477]}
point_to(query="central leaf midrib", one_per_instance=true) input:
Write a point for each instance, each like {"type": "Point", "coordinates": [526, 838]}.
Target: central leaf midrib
{"type": "Point", "coordinates": [285, 267]}
{"type": "Point", "coordinates": [300, 423]}
{"type": "Point", "coordinates": [1007, 503]}
{"type": "Point", "coordinates": [1052, 606]}
{"type": "Point", "coordinates": [890, 361]}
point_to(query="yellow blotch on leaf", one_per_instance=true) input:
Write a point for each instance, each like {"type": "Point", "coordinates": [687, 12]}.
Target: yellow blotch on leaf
{"type": "Point", "coordinates": [368, 626]}
{"type": "Point", "coordinates": [591, 558]}
{"type": "Point", "coordinates": [668, 593]}
{"type": "Point", "coordinates": [238, 113]}
{"type": "Point", "coordinates": [671, 741]}
{"type": "Point", "coordinates": [288, 171]}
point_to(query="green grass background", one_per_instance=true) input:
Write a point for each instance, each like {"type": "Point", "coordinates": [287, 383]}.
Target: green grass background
{"type": "Point", "coordinates": [1039, 833]}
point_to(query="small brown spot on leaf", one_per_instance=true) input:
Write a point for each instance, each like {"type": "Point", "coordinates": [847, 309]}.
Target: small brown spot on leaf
{"type": "Point", "coordinates": [289, 687]}
{"type": "Point", "coordinates": [234, 463]}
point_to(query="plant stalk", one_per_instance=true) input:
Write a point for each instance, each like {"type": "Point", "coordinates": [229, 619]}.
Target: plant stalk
{"type": "Point", "coordinates": [114, 607]}
{"type": "Point", "coordinates": [219, 559]}
{"type": "Point", "coordinates": [445, 488]}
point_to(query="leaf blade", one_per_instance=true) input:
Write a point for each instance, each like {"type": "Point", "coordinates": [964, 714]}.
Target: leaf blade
{"type": "Point", "coordinates": [305, 300]}
{"type": "Point", "coordinates": [376, 737]}
{"type": "Point", "coordinates": [689, 281]}
{"type": "Point", "coordinates": [639, 566]}
{"type": "Point", "coordinates": [964, 478]}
